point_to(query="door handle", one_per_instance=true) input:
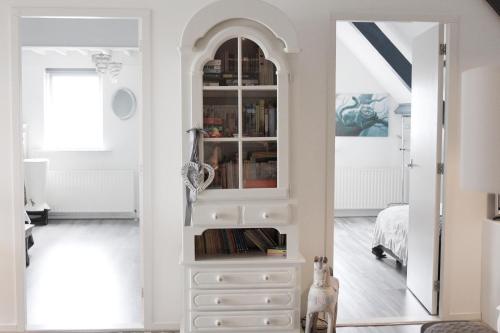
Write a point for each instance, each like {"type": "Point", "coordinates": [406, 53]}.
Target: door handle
{"type": "Point", "coordinates": [411, 164]}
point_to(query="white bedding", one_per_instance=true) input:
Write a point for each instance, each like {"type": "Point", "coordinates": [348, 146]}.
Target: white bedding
{"type": "Point", "coordinates": [391, 231]}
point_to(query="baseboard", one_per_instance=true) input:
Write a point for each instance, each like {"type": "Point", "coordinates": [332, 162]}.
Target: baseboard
{"type": "Point", "coordinates": [356, 212]}
{"type": "Point", "coordinates": [472, 316]}
{"type": "Point", "coordinates": [164, 327]}
{"type": "Point", "coordinates": [91, 215]}
{"type": "Point", "coordinates": [9, 328]}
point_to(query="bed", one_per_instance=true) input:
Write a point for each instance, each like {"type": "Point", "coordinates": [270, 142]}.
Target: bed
{"type": "Point", "coordinates": [391, 233]}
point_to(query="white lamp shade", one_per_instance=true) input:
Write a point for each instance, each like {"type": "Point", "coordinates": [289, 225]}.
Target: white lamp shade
{"type": "Point", "coordinates": [480, 136]}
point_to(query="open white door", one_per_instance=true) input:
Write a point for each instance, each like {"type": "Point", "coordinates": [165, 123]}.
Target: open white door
{"type": "Point", "coordinates": [425, 180]}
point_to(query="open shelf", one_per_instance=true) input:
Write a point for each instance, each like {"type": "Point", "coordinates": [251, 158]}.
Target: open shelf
{"type": "Point", "coordinates": [238, 243]}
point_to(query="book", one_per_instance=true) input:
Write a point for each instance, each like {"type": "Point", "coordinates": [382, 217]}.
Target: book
{"type": "Point", "coordinates": [216, 242]}
{"type": "Point", "coordinates": [278, 252]}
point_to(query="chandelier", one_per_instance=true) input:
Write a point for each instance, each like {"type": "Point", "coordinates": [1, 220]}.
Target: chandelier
{"type": "Point", "coordinates": [104, 65]}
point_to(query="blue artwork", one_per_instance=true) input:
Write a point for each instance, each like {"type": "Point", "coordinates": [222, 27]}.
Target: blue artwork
{"type": "Point", "coordinates": [363, 115]}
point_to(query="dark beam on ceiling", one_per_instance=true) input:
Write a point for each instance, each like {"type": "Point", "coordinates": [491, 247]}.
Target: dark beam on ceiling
{"type": "Point", "coordinates": [495, 4]}
{"type": "Point", "coordinates": [387, 50]}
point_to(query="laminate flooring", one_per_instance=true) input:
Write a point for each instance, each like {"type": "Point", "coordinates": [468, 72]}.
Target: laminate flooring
{"type": "Point", "coordinates": [85, 274]}
{"type": "Point", "coordinates": [370, 288]}
{"type": "Point", "coordinates": [381, 329]}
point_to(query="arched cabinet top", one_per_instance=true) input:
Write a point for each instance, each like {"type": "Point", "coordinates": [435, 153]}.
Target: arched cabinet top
{"type": "Point", "coordinates": [224, 10]}
{"type": "Point", "coordinates": [270, 50]}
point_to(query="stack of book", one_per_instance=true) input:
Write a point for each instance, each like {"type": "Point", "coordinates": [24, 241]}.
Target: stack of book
{"type": "Point", "coordinates": [260, 119]}
{"type": "Point", "coordinates": [215, 242]}
{"type": "Point", "coordinates": [212, 71]}
{"type": "Point", "coordinates": [260, 170]}
{"type": "Point", "coordinates": [227, 175]}
{"type": "Point", "coordinates": [222, 71]}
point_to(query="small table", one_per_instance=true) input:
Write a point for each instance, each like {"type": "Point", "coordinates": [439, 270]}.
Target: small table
{"type": "Point", "coordinates": [28, 237]}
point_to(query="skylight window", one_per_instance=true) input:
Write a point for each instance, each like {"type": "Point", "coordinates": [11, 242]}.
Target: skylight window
{"type": "Point", "coordinates": [73, 115]}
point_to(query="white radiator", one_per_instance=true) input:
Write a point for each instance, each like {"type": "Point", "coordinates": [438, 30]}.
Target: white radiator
{"type": "Point", "coordinates": [92, 191]}
{"type": "Point", "coordinates": [366, 188]}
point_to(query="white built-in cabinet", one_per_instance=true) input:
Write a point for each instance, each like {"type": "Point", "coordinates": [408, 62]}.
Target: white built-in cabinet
{"type": "Point", "coordinates": [238, 92]}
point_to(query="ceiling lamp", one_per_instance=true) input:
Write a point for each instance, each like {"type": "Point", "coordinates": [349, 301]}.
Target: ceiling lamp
{"type": "Point", "coordinates": [101, 61]}
{"type": "Point", "coordinates": [114, 69]}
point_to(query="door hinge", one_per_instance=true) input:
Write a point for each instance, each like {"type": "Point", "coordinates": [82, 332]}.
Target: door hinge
{"type": "Point", "coordinates": [437, 285]}
{"type": "Point", "coordinates": [440, 168]}
{"type": "Point", "coordinates": [442, 49]}
{"type": "Point", "coordinates": [142, 292]}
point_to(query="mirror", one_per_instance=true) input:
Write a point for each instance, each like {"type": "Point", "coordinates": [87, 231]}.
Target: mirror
{"type": "Point", "coordinates": [124, 103]}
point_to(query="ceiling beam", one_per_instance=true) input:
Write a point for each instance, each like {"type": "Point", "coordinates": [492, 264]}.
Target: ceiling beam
{"type": "Point", "coordinates": [495, 4]}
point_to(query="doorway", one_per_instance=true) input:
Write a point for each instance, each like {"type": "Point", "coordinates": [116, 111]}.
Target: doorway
{"type": "Point", "coordinates": [384, 231]}
{"type": "Point", "coordinates": [84, 168]}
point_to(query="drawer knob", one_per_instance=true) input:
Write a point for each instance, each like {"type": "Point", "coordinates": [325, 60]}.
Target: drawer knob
{"type": "Point", "coordinates": [265, 215]}
{"type": "Point", "coordinates": [267, 300]}
{"type": "Point", "coordinates": [265, 277]}
{"type": "Point", "coordinates": [215, 216]}
{"type": "Point", "coordinates": [218, 323]}
{"type": "Point", "coordinates": [218, 301]}
{"type": "Point", "coordinates": [219, 278]}
{"type": "Point", "coordinates": [267, 322]}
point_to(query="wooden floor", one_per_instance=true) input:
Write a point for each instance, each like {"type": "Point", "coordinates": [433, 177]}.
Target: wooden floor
{"type": "Point", "coordinates": [381, 329]}
{"type": "Point", "coordinates": [370, 289]}
{"type": "Point", "coordinates": [85, 274]}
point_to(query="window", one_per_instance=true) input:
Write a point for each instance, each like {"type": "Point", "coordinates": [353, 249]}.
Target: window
{"type": "Point", "coordinates": [73, 115]}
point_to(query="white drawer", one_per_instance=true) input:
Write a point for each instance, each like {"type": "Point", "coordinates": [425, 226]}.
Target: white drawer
{"type": "Point", "coordinates": [216, 214]}
{"type": "Point", "coordinates": [242, 278]}
{"type": "Point", "coordinates": [264, 321]}
{"type": "Point", "coordinates": [214, 300]}
{"type": "Point", "coordinates": [266, 214]}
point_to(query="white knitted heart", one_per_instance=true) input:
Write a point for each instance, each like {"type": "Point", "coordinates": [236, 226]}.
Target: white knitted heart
{"type": "Point", "coordinates": [193, 175]}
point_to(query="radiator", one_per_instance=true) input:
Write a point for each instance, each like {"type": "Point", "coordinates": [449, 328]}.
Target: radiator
{"type": "Point", "coordinates": [92, 191]}
{"type": "Point", "coordinates": [366, 188]}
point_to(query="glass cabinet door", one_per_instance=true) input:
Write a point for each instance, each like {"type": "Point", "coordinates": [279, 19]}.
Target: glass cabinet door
{"type": "Point", "coordinates": [240, 117]}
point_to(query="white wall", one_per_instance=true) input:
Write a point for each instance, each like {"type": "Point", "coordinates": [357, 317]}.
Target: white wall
{"type": "Point", "coordinates": [362, 163]}
{"type": "Point", "coordinates": [308, 145]}
{"type": "Point", "coordinates": [353, 78]}
{"type": "Point", "coordinates": [121, 137]}
{"type": "Point", "coordinates": [491, 272]}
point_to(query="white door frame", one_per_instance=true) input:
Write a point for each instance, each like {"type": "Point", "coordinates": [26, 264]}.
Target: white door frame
{"type": "Point", "coordinates": [452, 93]}
{"type": "Point", "coordinates": [145, 207]}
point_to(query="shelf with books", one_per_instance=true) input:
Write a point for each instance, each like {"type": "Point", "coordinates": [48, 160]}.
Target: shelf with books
{"type": "Point", "coordinates": [260, 164]}
{"type": "Point", "coordinates": [223, 157]}
{"type": "Point", "coordinates": [255, 68]}
{"type": "Point", "coordinates": [238, 242]}
{"type": "Point", "coordinates": [259, 113]}
{"type": "Point", "coordinates": [223, 69]}
{"type": "Point", "coordinates": [220, 114]}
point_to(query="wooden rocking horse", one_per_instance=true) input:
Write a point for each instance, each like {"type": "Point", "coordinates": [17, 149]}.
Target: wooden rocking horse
{"type": "Point", "coordinates": [323, 296]}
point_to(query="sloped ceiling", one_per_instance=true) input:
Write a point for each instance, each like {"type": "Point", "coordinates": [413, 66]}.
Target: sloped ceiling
{"type": "Point", "coordinates": [401, 35]}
